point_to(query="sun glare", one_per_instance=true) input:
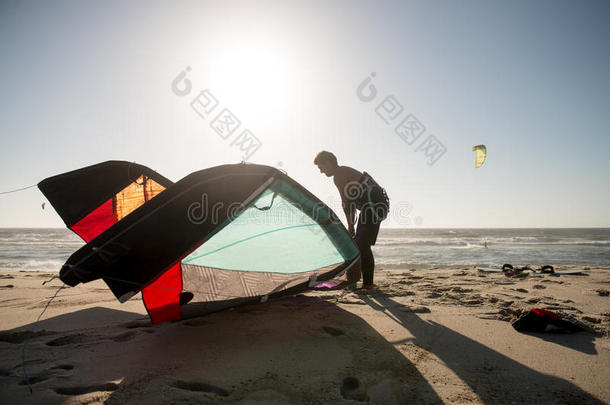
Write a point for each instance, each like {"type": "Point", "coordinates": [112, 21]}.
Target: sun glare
{"type": "Point", "coordinates": [255, 77]}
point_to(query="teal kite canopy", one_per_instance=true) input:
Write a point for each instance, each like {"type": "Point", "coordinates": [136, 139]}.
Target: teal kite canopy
{"type": "Point", "coordinates": [219, 237]}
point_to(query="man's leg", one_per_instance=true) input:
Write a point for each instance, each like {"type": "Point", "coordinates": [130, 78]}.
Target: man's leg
{"type": "Point", "coordinates": [366, 235]}
{"type": "Point", "coordinates": [367, 262]}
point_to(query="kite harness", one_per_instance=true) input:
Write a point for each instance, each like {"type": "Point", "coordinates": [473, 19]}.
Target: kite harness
{"type": "Point", "coordinates": [367, 194]}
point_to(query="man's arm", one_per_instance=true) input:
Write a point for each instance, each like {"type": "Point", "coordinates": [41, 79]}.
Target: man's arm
{"type": "Point", "coordinates": [348, 207]}
{"type": "Point", "coordinates": [350, 214]}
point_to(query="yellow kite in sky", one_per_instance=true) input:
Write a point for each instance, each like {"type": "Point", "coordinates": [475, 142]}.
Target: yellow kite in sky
{"type": "Point", "coordinates": [481, 152]}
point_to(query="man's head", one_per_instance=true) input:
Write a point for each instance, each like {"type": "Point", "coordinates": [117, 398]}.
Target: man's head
{"type": "Point", "coordinates": [326, 162]}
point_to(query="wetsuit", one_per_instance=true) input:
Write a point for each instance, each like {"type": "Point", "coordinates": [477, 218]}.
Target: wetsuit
{"type": "Point", "coordinates": [372, 201]}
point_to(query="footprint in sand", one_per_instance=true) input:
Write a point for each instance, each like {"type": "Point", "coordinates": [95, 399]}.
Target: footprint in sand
{"type": "Point", "coordinates": [333, 331]}
{"type": "Point", "coordinates": [70, 339]}
{"type": "Point", "coordinates": [398, 293]}
{"type": "Point", "coordinates": [557, 307]}
{"type": "Point", "coordinates": [199, 387]}
{"type": "Point", "coordinates": [125, 337]}
{"type": "Point", "coordinates": [29, 363]}
{"type": "Point", "coordinates": [509, 315]}
{"type": "Point", "coordinates": [20, 337]}
{"type": "Point", "coordinates": [507, 303]}
{"type": "Point", "coordinates": [415, 310]}
{"type": "Point", "coordinates": [86, 389]}
{"type": "Point", "coordinates": [592, 319]}
{"type": "Point", "coordinates": [351, 299]}
{"type": "Point", "coordinates": [63, 367]}
{"type": "Point", "coordinates": [136, 324]}
{"type": "Point", "coordinates": [351, 389]}
{"type": "Point", "coordinates": [461, 290]}
{"type": "Point", "coordinates": [603, 293]}
{"type": "Point", "coordinates": [472, 301]}
{"type": "Point", "coordinates": [46, 375]}
{"type": "Point", "coordinates": [552, 281]}
{"type": "Point", "coordinates": [35, 379]}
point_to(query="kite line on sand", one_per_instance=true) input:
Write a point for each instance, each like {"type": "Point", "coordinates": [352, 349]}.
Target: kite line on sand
{"type": "Point", "coordinates": [25, 374]}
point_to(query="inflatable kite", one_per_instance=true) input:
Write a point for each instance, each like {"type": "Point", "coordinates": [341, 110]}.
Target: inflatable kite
{"type": "Point", "coordinates": [218, 238]}
{"type": "Point", "coordinates": [480, 154]}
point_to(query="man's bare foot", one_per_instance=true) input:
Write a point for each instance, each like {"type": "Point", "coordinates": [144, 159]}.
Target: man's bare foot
{"type": "Point", "coordinates": [369, 286]}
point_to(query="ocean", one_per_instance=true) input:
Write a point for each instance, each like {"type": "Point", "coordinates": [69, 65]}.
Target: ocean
{"type": "Point", "coordinates": [425, 248]}
{"type": "Point", "coordinates": [48, 249]}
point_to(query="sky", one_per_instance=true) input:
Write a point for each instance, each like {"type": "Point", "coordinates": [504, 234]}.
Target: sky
{"type": "Point", "coordinates": [86, 82]}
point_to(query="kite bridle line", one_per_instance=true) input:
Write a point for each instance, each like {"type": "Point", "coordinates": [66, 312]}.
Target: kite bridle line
{"type": "Point", "coordinates": [19, 189]}
{"type": "Point", "coordinates": [25, 342]}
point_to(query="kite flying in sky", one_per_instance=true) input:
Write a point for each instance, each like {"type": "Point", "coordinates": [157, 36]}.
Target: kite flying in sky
{"type": "Point", "coordinates": [480, 154]}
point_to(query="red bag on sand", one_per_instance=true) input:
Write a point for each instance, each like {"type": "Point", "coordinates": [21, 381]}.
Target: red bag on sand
{"type": "Point", "coordinates": [541, 320]}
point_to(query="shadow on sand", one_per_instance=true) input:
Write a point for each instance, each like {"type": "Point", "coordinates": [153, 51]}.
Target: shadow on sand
{"type": "Point", "coordinates": [583, 342]}
{"type": "Point", "coordinates": [491, 375]}
{"type": "Point", "coordinates": [294, 350]}
{"type": "Point", "coordinates": [299, 349]}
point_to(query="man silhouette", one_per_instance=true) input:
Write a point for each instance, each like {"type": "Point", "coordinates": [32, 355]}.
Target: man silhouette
{"type": "Point", "coordinates": [359, 192]}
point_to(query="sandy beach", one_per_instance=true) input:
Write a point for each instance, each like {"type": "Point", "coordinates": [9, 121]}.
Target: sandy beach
{"type": "Point", "coordinates": [425, 337]}
{"type": "Point", "coordinates": [196, 155]}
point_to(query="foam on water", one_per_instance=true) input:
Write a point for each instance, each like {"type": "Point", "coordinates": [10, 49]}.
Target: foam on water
{"type": "Point", "coordinates": [400, 248]}
{"type": "Point", "coordinates": [48, 249]}
{"type": "Point", "coordinates": [36, 249]}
